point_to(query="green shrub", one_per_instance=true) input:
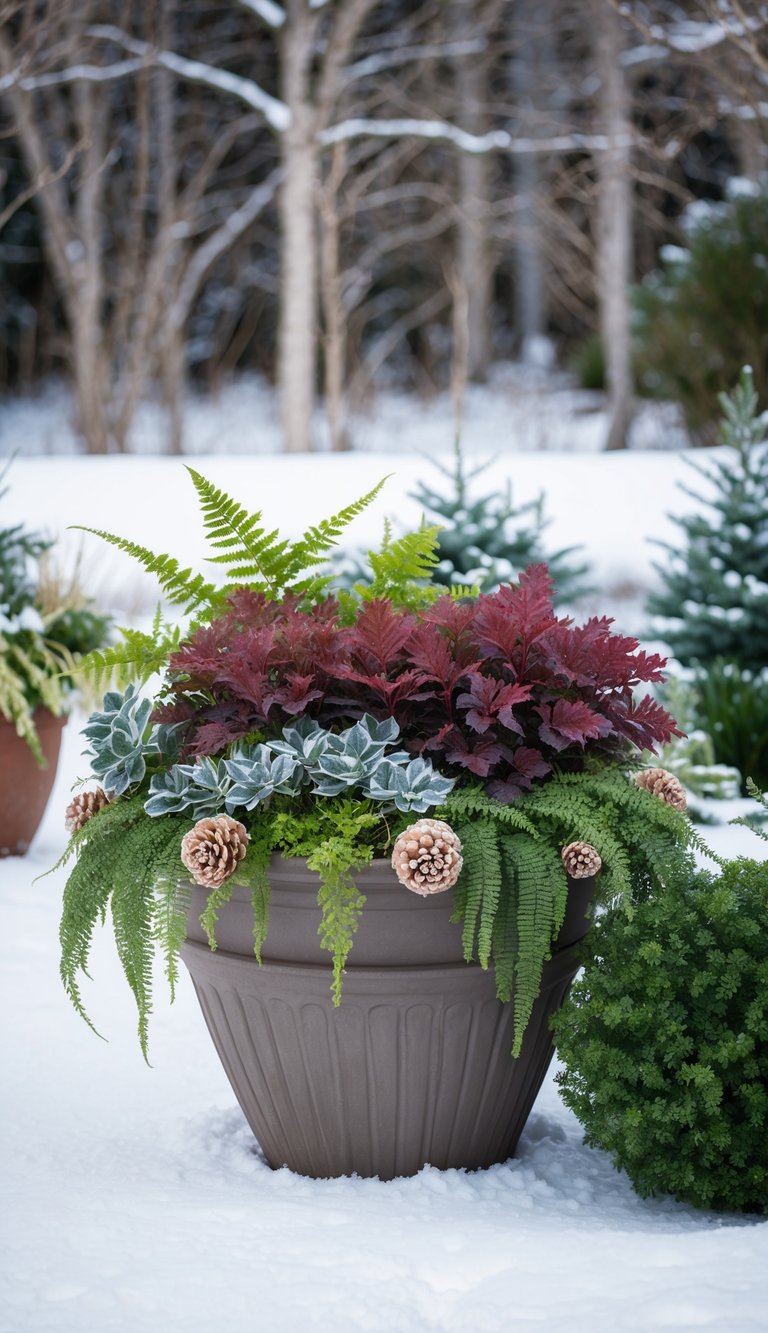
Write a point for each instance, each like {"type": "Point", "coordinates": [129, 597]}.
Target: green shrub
{"type": "Point", "coordinates": [665, 1039]}
{"type": "Point", "coordinates": [731, 706]}
{"type": "Point", "coordinates": [588, 363]}
{"type": "Point", "coordinates": [692, 757]}
{"type": "Point", "coordinates": [714, 596]}
{"type": "Point", "coordinates": [704, 314]}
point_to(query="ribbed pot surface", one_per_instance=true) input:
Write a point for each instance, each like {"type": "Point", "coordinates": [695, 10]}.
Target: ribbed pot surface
{"type": "Point", "coordinates": [413, 1067]}
{"type": "Point", "coordinates": [24, 786]}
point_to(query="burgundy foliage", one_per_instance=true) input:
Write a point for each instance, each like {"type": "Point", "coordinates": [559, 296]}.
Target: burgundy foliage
{"type": "Point", "coordinates": [498, 687]}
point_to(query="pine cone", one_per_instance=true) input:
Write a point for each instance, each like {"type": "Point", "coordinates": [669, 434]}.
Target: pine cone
{"type": "Point", "coordinates": [665, 785]}
{"type": "Point", "coordinates": [212, 850]}
{"type": "Point", "coordinates": [581, 861]}
{"type": "Point", "coordinates": [83, 807]}
{"type": "Point", "coordinates": [427, 857]}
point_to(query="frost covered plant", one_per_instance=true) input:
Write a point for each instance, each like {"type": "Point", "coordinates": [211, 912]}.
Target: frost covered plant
{"type": "Point", "coordinates": [45, 625]}
{"type": "Point", "coordinates": [294, 721]}
{"type": "Point", "coordinates": [117, 738]}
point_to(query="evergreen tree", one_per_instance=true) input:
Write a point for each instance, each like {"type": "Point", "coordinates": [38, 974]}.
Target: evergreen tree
{"type": "Point", "coordinates": [488, 540]}
{"type": "Point", "coordinates": [714, 599]}
{"type": "Point", "coordinates": [703, 314]}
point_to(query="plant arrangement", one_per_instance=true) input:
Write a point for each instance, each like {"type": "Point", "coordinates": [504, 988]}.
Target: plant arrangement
{"type": "Point", "coordinates": [45, 625]}
{"type": "Point", "coordinates": [483, 744]}
{"type": "Point", "coordinates": [712, 607]}
{"type": "Point", "coordinates": [664, 1037]}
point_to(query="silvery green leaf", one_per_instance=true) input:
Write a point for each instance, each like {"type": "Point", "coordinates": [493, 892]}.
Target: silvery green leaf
{"type": "Point", "coordinates": [381, 732]}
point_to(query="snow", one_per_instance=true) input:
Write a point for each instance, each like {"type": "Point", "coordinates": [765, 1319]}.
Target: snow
{"type": "Point", "coordinates": [135, 1199]}
{"type": "Point", "coordinates": [537, 437]}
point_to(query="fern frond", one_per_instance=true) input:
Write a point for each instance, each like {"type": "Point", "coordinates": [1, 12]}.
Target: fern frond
{"type": "Point", "coordinates": [172, 899]}
{"type": "Point", "coordinates": [474, 801]}
{"type": "Point", "coordinates": [137, 657]}
{"type": "Point", "coordinates": [482, 884]}
{"type": "Point", "coordinates": [339, 899]}
{"type": "Point", "coordinates": [312, 547]}
{"type": "Point", "coordinates": [542, 890]}
{"type": "Point", "coordinates": [408, 559]}
{"type": "Point", "coordinates": [132, 910]}
{"type": "Point", "coordinates": [181, 586]}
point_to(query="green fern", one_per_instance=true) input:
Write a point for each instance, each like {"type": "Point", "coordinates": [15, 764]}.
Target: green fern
{"type": "Point", "coordinates": [139, 655]}
{"type": "Point", "coordinates": [402, 569]}
{"type": "Point", "coordinates": [542, 890]}
{"type": "Point", "coordinates": [121, 857]}
{"type": "Point", "coordinates": [511, 895]}
{"type": "Point", "coordinates": [340, 900]}
{"type": "Point", "coordinates": [482, 872]}
{"type": "Point", "coordinates": [181, 587]}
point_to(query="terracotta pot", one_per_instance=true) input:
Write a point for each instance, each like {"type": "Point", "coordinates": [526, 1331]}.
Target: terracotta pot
{"type": "Point", "coordinates": [413, 1067]}
{"type": "Point", "coordinates": [24, 786]}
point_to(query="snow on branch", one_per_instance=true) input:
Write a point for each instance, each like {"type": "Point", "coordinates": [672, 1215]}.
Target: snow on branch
{"type": "Point", "coordinates": [219, 242]}
{"type": "Point", "coordinates": [406, 54]}
{"type": "Point", "coordinates": [441, 130]}
{"type": "Point", "coordinates": [73, 74]}
{"type": "Point", "coordinates": [271, 14]}
{"type": "Point", "coordinates": [275, 113]}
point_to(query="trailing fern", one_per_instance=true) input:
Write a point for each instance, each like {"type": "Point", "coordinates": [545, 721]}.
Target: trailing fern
{"type": "Point", "coordinates": [511, 896]}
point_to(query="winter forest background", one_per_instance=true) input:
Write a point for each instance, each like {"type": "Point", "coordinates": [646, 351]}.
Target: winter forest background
{"type": "Point", "coordinates": [344, 198]}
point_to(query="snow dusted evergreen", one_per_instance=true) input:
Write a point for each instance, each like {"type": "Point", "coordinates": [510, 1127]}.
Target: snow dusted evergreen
{"type": "Point", "coordinates": [714, 602]}
{"type": "Point", "coordinates": [489, 540]}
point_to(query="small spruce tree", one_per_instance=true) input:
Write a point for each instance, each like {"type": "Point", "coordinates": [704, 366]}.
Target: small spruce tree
{"type": "Point", "coordinates": [488, 540]}
{"type": "Point", "coordinates": [703, 313]}
{"type": "Point", "coordinates": [714, 598]}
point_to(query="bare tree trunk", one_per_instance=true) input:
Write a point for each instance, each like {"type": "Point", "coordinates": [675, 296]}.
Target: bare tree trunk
{"type": "Point", "coordinates": [298, 249]}
{"type": "Point", "coordinates": [334, 320]}
{"type": "Point", "coordinates": [614, 224]}
{"type": "Point", "coordinates": [474, 252]}
{"type": "Point", "coordinates": [172, 352]}
{"type": "Point", "coordinates": [88, 344]}
{"type": "Point", "coordinates": [530, 304]}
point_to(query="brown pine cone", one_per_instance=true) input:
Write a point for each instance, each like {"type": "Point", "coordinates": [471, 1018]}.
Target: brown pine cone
{"type": "Point", "coordinates": [665, 785]}
{"type": "Point", "coordinates": [83, 807]}
{"type": "Point", "coordinates": [581, 861]}
{"type": "Point", "coordinates": [427, 857]}
{"type": "Point", "coordinates": [213, 849]}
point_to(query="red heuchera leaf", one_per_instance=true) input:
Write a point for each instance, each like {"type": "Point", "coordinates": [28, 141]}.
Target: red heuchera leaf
{"type": "Point", "coordinates": [389, 694]}
{"type": "Point", "coordinates": [499, 687]}
{"type": "Point", "coordinates": [489, 700]}
{"type": "Point", "coordinates": [646, 724]}
{"type": "Point", "coordinates": [510, 621]}
{"type": "Point", "coordinates": [570, 720]}
{"type": "Point", "coordinates": [379, 636]}
{"type": "Point", "coordinates": [477, 756]}
{"type": "Point", "coordinates": [294, 697]}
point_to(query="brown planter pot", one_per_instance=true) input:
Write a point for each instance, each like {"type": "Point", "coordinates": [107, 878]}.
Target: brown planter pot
{"type": "Point", "coordinates": [414, 1066]}
{"type": "Point", "coordinates": [24, 786]}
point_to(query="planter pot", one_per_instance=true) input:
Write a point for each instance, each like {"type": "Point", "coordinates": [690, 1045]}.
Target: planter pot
{"type": "Point", "coordinates": [414, 1066]}
{"type": "Point", "coordinates": [24, 786]}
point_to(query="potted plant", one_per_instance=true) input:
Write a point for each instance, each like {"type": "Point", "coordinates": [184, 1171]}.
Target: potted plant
{"type": "Point", "coordinates": [308, 759]}
{"type": "Point", "coordinates": [45, 625]}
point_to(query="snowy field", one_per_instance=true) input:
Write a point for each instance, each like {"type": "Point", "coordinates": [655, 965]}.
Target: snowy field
{"type": "Point", "coordinates": [538, 433]}
{"type": "Point", "coordinates": [135, 1200]}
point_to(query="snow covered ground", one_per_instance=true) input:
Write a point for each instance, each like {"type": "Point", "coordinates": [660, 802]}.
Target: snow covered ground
{"type": "Point", "coordinates": [134, 1200]}
{"type": "Point", "coordinates": [543, 435]}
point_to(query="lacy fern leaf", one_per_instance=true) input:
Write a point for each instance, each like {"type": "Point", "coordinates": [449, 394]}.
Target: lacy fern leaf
{"type": "Point", "coordinates": [181, 587]}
